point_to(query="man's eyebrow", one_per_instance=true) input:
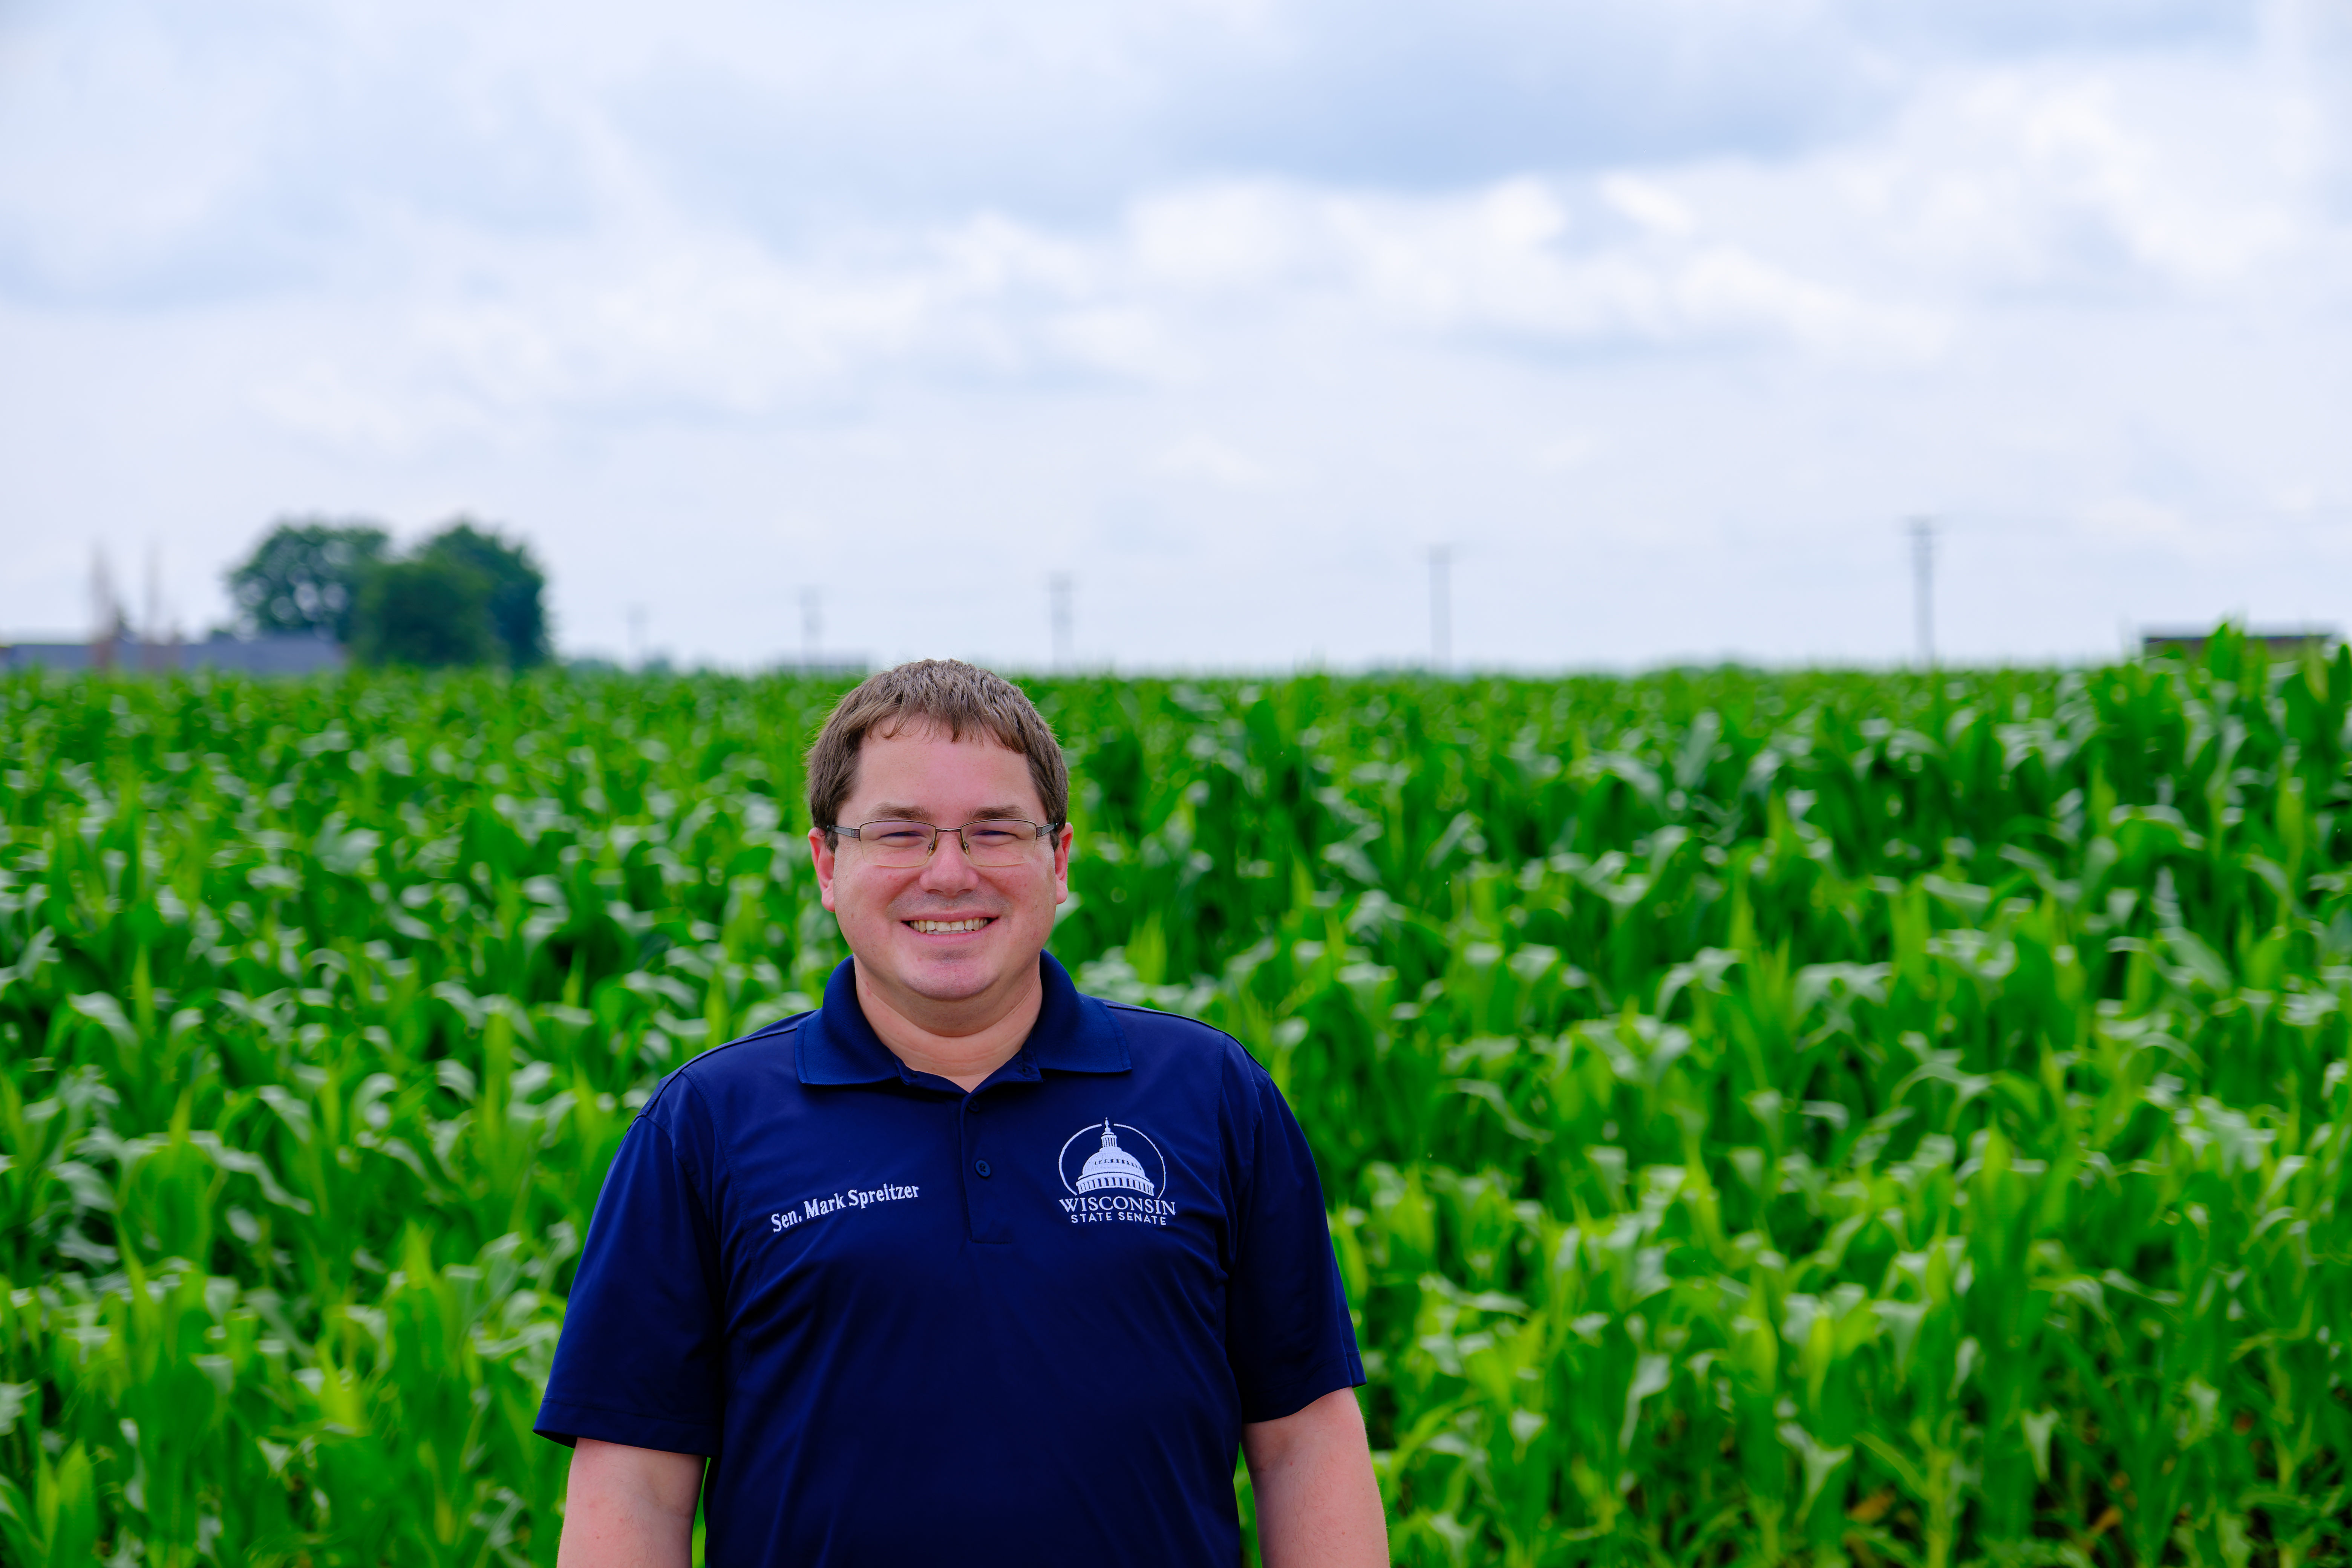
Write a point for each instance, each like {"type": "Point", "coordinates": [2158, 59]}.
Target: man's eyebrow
{"type": "Point", "coordinates": [893, 810]}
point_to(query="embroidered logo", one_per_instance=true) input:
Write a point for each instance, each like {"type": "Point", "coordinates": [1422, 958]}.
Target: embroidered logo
{"type": "Point", "coordinates": [1110, 1182]}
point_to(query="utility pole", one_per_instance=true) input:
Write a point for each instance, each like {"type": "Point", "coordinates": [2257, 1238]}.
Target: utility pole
{"type": "Point", "coordinates": [811, 628]}
{"type": "Point", "coordinates": [1441, 605]}
{"type": "Point", "coordinates": [151, 631]}
{"type": "Point", "coordinates": [1923, 586]}
{"type": "Point", "coordinates": [636, 636]}
{"type": "Point", "coordinates": [105, 612]}
{"type": "Point", "coordinates": [1058, 594]}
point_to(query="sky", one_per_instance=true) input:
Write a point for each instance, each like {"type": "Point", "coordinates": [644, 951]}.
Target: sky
{"type": "Point", "coordinates": [1660, 318]}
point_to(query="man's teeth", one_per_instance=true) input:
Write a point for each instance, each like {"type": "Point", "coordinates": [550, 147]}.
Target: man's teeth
{"type": "Point", "coordinates": [936, 926]}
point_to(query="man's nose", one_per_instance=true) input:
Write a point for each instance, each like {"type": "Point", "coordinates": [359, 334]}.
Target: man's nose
{"type": "Point", "coordinates": [949, 867]}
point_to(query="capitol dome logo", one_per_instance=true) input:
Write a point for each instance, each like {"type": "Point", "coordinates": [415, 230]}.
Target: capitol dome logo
{"type": "Point", "coordinates": [1110, 1181]}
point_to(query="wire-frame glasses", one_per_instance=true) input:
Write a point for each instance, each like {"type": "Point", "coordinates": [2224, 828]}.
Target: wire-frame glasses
{"type": "Point", "coordinates": [993, 841]}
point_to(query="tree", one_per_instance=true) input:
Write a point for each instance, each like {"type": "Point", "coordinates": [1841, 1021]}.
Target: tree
{"type": "Point", "coordinates": [516, 584]}
{"type": "Point", "coordinates": [431, 610]}
{"type": "Point", "coordinates": [305, 576]}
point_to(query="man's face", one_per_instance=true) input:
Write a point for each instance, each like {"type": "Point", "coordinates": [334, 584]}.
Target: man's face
{"type": "Point", "coordinates": [892, 918]}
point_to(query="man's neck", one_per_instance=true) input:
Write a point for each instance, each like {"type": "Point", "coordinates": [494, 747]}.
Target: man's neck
{"type": "Point", "coordinates": [962, 1042]}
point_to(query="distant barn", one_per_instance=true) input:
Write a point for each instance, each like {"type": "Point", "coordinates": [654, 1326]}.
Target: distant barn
{"type": "Point", "coordinates": [2278, 644]}
{"type": "Point", "coordinates": [295, 655]}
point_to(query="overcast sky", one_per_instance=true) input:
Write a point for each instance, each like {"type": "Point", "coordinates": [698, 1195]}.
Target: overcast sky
{"type": "Point", "coordinates": [1661, 314]}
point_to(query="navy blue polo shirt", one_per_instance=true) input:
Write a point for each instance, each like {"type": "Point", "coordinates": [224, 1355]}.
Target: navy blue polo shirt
{"type": "Point", "coordinates": [909, 1323]}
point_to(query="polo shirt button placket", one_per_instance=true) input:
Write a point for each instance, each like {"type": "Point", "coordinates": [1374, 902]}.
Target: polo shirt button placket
{"type": "Point", "coordinates": [987, 1224]}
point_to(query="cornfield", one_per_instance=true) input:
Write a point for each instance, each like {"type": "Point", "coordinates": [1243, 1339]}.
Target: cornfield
{"type": "Point", "coordinates": [1879, 1119]}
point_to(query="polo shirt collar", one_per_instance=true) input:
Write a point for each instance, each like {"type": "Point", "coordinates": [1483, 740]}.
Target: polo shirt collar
{"type": "Point", "coordinates": [1073, 1033]}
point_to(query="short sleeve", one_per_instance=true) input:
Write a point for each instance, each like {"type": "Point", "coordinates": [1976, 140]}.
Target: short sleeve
{"type": "Point", "coordinates": [639, 1361]}
{"type": "Point", "coordinates": [1288, 1334]}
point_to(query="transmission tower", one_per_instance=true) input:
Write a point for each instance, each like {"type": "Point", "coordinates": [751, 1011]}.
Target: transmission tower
{"type": "Point", "coordinates": [1441, 607]}
{"type": "Point", "coordinates": [1057, 594]}
{"type": "Point", "coordinates": [1923, 587]}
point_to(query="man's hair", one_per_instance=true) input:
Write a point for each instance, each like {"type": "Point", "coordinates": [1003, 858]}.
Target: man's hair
{"type": "Point", "coordinates": [944, 695]}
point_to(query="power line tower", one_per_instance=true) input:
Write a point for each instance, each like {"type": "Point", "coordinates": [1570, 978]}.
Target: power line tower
{"type": "Point", "coordinates": [152, 654]}
{"type": "Point", "coordinates": [1923, 586]}
{"type": "Point", "coordinates": [107, 619]}
{"type": "Point", "coordinates": [1057, 597]}
{"type": "Point", "coordinates": [811, 628]}
{"type": "Point", "coordinates": [1441, 605]}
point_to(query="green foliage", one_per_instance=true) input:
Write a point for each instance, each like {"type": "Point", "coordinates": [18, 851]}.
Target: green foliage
{"type": "Point", "coordinates": [1894, 1120]}
{"type": "Point", "coordinates": [430, 611]}
{"type": "Point", "coordinates": [305, 576]}
{"type": "Point", "coordinates": [467, 595]}
{"type": "Point", "coordinates": [517, 586]}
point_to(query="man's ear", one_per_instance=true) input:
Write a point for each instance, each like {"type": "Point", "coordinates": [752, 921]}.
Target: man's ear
{"type": "Point", "coordinates": [820, 855]}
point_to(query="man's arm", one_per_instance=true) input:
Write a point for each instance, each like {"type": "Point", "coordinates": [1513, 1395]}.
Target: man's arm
{"type": "Point", "coordinates": [1318, 1504]}
{"type": "Point", "coordinates": [629, 1508]}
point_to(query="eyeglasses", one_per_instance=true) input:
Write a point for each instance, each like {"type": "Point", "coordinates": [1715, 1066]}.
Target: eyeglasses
{"type": "Point", "coordinates": [998, 841]}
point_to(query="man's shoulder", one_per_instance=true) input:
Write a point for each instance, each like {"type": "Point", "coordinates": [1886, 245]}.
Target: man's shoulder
{"type": "Point", "coordinates": [722, 1070]}
{"type": "Point", "coordinates": [1134, 1017]}
{"type": "Point", "coordinates": [1176, 1035]}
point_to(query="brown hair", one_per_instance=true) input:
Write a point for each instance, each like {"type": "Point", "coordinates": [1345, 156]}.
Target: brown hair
{"type": "Point", "coordinates": [944, 694]}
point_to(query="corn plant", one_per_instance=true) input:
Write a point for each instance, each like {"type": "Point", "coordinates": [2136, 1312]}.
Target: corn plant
{"type": "Point", "coordinates": [1877, 1118]}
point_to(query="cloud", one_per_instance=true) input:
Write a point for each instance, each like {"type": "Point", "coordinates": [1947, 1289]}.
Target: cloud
{"type": "Point", "coordinates": [2082, 176]}
{"type": "Point", "coordinates": [1206, 458]}
{"type": "Point", "coordinates": [1605, 291]}
{"type": "Point", "coordinates": [680, 319]}
{"type": "Point", "coordinates": [149, 153]}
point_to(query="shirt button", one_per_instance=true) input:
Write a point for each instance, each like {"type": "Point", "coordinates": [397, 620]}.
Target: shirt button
{"type": "Point", "coordinates": [981, 1165]}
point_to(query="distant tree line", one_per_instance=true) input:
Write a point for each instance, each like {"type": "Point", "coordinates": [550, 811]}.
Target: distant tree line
{"type": "Point", "coordinates": [467, 595]}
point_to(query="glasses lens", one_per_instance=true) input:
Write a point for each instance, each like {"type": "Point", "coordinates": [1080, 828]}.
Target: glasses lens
{"type": "Point", "coordinates": [896, 843]}
{"type": "Point", "coordinates": [998, 843]}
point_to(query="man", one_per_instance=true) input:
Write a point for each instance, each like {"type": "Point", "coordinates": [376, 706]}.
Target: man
{"type": "Point", "coordinates": [964, 1265]}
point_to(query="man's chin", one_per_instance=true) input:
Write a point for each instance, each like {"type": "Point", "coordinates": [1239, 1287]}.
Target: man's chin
{"type": "Point", "coordinates": [947, 979]}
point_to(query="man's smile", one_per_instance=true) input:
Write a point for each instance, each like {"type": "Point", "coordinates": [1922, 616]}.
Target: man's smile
{"type": "Point", "coordinates": [947, 928]}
